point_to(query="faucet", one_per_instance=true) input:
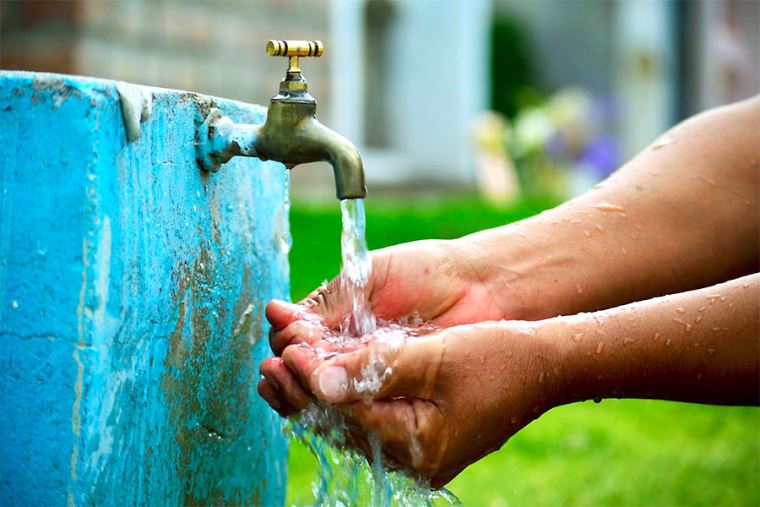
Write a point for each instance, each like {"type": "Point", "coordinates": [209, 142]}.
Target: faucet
{"type": "Point", "coordinates": [291, 133]}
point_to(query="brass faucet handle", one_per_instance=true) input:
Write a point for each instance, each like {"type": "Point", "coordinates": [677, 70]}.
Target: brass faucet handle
{"type": "Point", "coordinates": [295, 48]}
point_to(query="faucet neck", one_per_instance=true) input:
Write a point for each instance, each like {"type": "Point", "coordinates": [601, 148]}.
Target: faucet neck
{"type": "Point", "coordinates": [294, 87]}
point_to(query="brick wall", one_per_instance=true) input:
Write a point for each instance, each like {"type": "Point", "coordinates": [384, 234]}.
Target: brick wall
{"type": "Point", "coordinates": [215, 48]}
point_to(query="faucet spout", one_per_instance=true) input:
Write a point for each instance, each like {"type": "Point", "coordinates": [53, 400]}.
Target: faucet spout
{"type": "Point", "coordinates": [348, 168]}
{"type": "Point", "coordinates": [291, 133]}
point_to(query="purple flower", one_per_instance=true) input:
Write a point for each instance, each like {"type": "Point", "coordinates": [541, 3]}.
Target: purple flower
{"type": "Point", "coordinates": [602, 155]}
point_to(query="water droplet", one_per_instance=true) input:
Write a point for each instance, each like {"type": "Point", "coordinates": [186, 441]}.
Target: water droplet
{"type": "Point", "coordinates": [587, 234]}
{"type": "Point", "coordinates": [606, 206]}
{"type": "Point", "coordinates": [702, 309]}
{"type": "Point", "coordinates": [577, 337]}
{"type": "Point", "coordinates": [628, 341]}
{"type": "Point", "coordinates": [668, 342]}
{"type": "Point", "coordinates": [14, 304]}
{"type": "Point", "coordinates": [599, 227]}
{"type": "Point", "coordinates": [698, 319]}
{"type": "Point", "coordinates": [686, 325]}
{"type": "Point", "coordinates": [711, 351]}
{"type": "Point", "coordinates": [599, 347]}
{"type": "Point", "coordinates": [656, 337]}
{"type": "Point", "coordinates": [579, 288]}
{"type": "Point", "coordinates": [575, 222]}
{"type": "Point", "coordinates": [681, 310]}
{"type": "Point", "coordinates": [662, 142]}
{"type": "Point", "coordinates": [625, 252]}
{"type": "Point", "coordinates": [541, 378]}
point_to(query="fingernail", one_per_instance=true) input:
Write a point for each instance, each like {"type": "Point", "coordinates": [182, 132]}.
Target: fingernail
{"type": "Point", "coordinates": [333, 382]}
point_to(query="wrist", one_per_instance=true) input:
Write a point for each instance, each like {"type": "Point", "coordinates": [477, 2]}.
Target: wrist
{"type": "Point", "coordinates": [529, 276]}
{"type": "Point", "coordinates": [539, 347]}
{"type": "Point", "coordinates": [569, 343]}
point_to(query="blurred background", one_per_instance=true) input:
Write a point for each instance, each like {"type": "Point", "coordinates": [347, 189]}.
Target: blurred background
{"type": "Point", "coordinates": [469, 114]}
{"type": "Point", "coordinates": [512, 97]}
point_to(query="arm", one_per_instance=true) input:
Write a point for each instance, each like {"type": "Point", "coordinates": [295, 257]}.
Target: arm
{"type": "Point", "coordinates": [700, 346]}
{"type": "Point", "coordinates": [454, 396]}
{"type": "Point", "coordinates": [680, 216]}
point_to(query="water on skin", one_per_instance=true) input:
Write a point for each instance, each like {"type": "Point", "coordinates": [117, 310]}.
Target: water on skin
{"type": "Point", "coordinates": [345, 478]}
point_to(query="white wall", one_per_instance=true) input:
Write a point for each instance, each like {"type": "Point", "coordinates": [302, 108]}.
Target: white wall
{"type": "Point", "coordinates": [437, 84]}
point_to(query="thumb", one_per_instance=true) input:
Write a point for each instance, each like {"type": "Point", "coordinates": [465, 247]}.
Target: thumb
{"type": "Point", "coordinates": [377, 370]}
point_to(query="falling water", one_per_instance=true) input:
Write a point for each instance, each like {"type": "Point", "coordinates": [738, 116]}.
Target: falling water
{"type": "Point", "coordinates": [345, 478]}
{"type": "Point", "coordinates": [282, 235]}
{"type": "Point", "coordinates": [356, 268]}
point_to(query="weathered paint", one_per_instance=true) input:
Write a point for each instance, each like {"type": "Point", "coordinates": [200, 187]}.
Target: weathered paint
{"type": "Point", "coordinates": [132, 288]}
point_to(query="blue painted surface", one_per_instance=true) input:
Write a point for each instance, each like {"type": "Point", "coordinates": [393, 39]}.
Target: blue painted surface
{"type": "Point", "coordinates": [132, 293]}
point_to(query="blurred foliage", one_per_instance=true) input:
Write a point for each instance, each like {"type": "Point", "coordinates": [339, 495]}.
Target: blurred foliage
{"type": "Point", "coordinates": [513, 78]}
{"type": "Point", "coordinates": [629, 452]}
{"type": "Point", "coordinates": [561, 146]}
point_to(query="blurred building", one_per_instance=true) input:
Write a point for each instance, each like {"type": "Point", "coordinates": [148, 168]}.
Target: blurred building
{"type": "Point", "coordinates": [404, 79]}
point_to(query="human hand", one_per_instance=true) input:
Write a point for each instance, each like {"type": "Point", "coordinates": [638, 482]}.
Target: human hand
{"type": "Point", "coordinates": [434, 280]}
{"type": "Point", "coordinates": [451, 396]}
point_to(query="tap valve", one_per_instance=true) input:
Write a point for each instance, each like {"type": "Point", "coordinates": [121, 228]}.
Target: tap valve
{"type": "Point", "coordinates": [294, 87]}
{"type": "Point", "coordinates": [291, 133]}
{"type": "Point", "coordinates": [293, 49]}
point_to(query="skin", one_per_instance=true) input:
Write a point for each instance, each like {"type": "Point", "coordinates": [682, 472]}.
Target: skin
{"type": "Point", "coordinates": [680, 217]}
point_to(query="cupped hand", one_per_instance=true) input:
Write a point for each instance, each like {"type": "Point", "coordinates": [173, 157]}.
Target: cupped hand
{"type": "Point", "coordinates": [435, 280]}
{"type": "Point", "coordinates": [439, 402]}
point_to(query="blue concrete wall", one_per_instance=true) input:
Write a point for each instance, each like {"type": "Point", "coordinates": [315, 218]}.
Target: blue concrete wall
{"type": "Point", "coordinates": [132, 293]}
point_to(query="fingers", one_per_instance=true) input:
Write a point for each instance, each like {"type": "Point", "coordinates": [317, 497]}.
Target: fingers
{"type": "Point", "coordinates": [377, 370]}
{"type": "Point", "coordinates": [281, 313]}
{"type": "Point", "coordinates": [272, 396]}
{"type": "Point", "coordinates": [309, 330]}
{"type": "Point", "coordinates": [281, 389]}
{"type": "Point", "coordinates": [328, 301]}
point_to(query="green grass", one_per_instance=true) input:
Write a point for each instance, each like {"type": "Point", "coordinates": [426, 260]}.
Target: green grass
{"type": "Point", "coordinates": [630, 452]}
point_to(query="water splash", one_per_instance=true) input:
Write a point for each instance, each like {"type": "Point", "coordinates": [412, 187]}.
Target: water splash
{"type": "Point", "coordinates": [345, 478]}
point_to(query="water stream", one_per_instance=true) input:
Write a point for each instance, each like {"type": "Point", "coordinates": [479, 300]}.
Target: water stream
{"type": "Point", "coordinates": [345, 478]}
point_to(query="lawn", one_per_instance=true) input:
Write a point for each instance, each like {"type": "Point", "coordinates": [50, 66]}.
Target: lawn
{"type": "Point", "coordinates": [631, 452]}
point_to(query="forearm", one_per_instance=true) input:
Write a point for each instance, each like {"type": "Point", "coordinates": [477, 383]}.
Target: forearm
{"type": "Point", "coordinates": [698, 346]}
{"type": "Point", "coordinates": [678, 217]}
